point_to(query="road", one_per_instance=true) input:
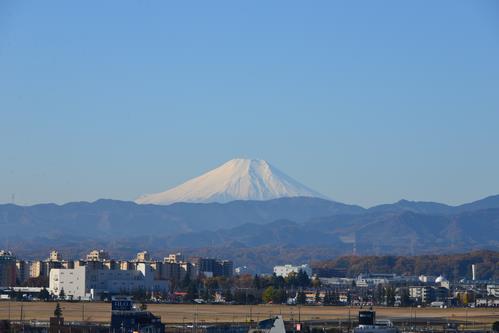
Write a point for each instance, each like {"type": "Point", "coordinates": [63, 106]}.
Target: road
{"type": "Point", "coordinates": [188, 313]}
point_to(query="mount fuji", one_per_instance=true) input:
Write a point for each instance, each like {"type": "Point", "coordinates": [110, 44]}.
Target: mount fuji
{"type": "Point", "coordinates": [237, 179]}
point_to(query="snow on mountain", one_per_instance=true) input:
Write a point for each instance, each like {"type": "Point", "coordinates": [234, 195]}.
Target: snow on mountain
{"type": "Point", "coordinates": [237, 179]}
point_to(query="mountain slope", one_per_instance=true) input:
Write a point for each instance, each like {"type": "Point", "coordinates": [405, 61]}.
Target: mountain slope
{"type": "Point", "coordinates": [237, 179]}
{"type": "Point", "coordinates": [485, 203]}
{"type": "Point", "coordinates": [435, 208]}
{"type": "Point", "coordinates": [240, 229]}
{"type": "Point", "coordinates": [114, 219]}
{"type": "Point", "coordinates": [423, 207]}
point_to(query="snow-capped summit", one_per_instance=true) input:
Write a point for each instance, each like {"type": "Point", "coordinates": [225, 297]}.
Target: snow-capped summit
{"type": "Point", "coordinates": [237, 179]}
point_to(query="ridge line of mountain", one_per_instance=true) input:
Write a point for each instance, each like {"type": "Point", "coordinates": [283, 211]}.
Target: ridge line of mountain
{"type": "Point", "coordinates": [403, 204]}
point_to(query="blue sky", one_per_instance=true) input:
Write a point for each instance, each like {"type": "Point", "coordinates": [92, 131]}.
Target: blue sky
{"type": "Point", "coordinates": [364, 101]}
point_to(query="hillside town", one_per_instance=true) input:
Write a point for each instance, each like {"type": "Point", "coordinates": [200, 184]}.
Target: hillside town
{"type": "Point", "coordinates": [177, 279]}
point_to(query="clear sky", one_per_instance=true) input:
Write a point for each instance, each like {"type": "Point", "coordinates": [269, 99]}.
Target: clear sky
{"type": "Point", "coordinates": [364, 101]}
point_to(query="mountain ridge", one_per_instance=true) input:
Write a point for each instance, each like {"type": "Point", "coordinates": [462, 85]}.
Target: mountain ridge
{"type": "Point", "coordinates": [239, 228]}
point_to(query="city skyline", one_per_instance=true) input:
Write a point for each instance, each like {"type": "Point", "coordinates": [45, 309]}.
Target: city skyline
{"type": "Point", "coordinates": [364, 103]}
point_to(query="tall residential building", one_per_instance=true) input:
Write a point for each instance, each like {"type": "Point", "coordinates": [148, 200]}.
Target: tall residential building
{"type": "Point", "coordinates": [7, 269]}
{"type": "Point", "coordinates": [97, 255]}
{"type": "Point", "coordinates": [55, 256]}
{"type": "Point", "coordinates": [36, 269]}
{"type": "Point", "coordinates": [22, 270]}
{"type": "Point", "coordinates": [205, 266]}
{"type": "Point", "coordinates": [186, 268]}
{"type": "Point", "coordinates": [210, 267]}
{"type": "Point", "coordinates": [143, 256]}
{"type": "Point", "coordinates": [227, 268]}
{"type": "Point", "coordinates": [41, 268]}
{"type": "Point", "coordinates": [111, 264]}
{"type": "Point", "coordinates": [170, 271]}
{"type": "Point", "coordinates": [175, 258]}
{"type": "Point", "coordinates": [127, 265]}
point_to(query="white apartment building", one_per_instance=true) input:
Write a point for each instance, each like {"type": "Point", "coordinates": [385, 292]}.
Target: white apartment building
{"type": "Point", "coordinates": [420, 293]}
{"type": "Point", "coordinates": [87, 283]}
{"type": "Point", "coordinates": [97, 255]}
{"type": "Point", "coordinates": [493, 290]}
{"type": "Point", "coordinates": [285, 270]}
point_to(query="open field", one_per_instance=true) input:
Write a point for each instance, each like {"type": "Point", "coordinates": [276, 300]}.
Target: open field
{"type": "Point", "coordinates": [178, 313]}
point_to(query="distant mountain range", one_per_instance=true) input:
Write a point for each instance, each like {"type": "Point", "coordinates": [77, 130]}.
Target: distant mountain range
{"type": "Point", "coordinates": [255, 233]}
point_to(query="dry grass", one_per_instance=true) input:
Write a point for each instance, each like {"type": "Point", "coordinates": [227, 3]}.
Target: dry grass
{"type": "Point", "coordinates": [178, 313]}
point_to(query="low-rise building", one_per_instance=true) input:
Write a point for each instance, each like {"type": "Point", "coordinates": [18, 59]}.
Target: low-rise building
{"type": "Point", "coordinates": [493, 290]}
{"type": "Point", "coordinates": [421, 294]}
{"type": "Point", "coordinates": [242, 270]}
{"type": "Point", "coordinates": [285, 270]}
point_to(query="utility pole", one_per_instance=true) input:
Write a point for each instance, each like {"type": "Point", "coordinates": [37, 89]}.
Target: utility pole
{"type": "Point", "coordinates": [415, 316]}
{"type": "Point", "coordinates": [349, 320]}
{"type": "Point", "coordinates": [22, 323]}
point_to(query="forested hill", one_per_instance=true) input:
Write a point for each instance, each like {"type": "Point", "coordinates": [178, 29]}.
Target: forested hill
{"type": "Point", "coordinates": [454, 266]}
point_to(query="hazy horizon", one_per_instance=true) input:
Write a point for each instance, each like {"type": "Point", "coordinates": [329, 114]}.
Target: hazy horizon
{"type": "Point", "coordinates": [364, 103]}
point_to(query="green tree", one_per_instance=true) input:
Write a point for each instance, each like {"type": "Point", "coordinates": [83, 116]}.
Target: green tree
{"type": "Point", "coordinates": [379, 294]}
{"type": "Point", "coordinates": [405, 299]}
{"type": "Point", "coordinates": [279, 296]}
{"type": "Point", "coordinates": [240, 297]}
{"type": "Point", "coordinates": [185, 282]}
{"type": "Point", "coordinates": [277, 281]}
{"type": "Point", "coordinates": [268, 294]}
{"type": "Point", "coordinates": [291, 280]}
{"type": "Point", "coordinates": [227, 295]}
{"type": "Point", "coordinates": [139, 295]}
{"type": "Point", "coordinates": [192, 291]}
{"type": "Point", "coordinates": [207, 294]}
{"type": "Point", "coordinates": [44, 294]}
{"type": "Point", "coordinates": [329, 298]}
{"type": "Point", "coordinates": [390, 296]}
{"type": "Point", "coordinates": [62, 294]}
{"type": "Point", "coordinates": [301, 298]}
{"type": "Point", "coordinates": [303, 279]}
{"type": "Point", "coordinates": [58, 310]}
{"type": "Point", "coordinates": [257, 284]}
